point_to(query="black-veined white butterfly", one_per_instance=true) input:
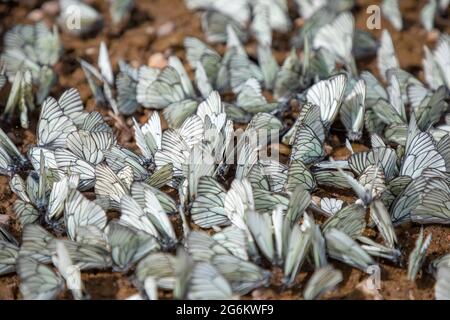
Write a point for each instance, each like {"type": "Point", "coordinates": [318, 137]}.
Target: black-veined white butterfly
{"type": "Point", "coordinates": [322, 280]}
{"type": "Point", "coordinates": [417, 255]}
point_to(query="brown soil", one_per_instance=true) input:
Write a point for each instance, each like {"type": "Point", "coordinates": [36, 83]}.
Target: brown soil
{"type": "Point", "coordinates": [136, 43]}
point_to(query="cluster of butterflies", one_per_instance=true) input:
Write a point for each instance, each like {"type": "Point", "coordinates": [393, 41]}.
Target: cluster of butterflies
{"type": "Point", "coordinates": [238, 213]}
{"type": "Point", "coordinates": [30, 53]}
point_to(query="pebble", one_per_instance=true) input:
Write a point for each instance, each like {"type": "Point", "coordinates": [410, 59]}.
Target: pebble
{"type": "Point", "coordinates": [328, 149]}
{"type": "Point", "coordinates": [4, 219]}
{"type": "Point", "coordinates": [165, 29]}
{"type": "Point", "coordinates": [299, 22]}
{"type": "Point", "coordinates": [91, 51]}
{"type": "Point", "coordinates": [51, 8]}
{"type": "Point", "coordinates": [316, 200]}
{"type": "Point", "coordinates": [135, 64]}
{"type": "Point", "coordinates": [36, 15]}
{"type": "Point", "coordinates": [433, 35]}
{"type": "Point", "coordinates": [157, 60]}
{"type": "Point", "coordinates": [367, 289]}
{"type": "Point", "coordinates": [7, 292]}
{"type": "Point", "coordinates": [150, 30]}
{"type": "Point", "coordinates": [281, 148]}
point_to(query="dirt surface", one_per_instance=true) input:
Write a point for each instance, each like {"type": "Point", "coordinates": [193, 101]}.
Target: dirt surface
{"type": "Point", "coordinates": [136, 43]}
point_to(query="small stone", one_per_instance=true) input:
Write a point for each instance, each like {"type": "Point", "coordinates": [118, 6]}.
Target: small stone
{"type": "Point", "coordinates": [281, 148]}
{"type": "Point", "coordinates": [7, 292]}
{"type": "Point", "coordinates": [433, 35]}
{"type": "Point", "coordinates": [157, 60]}
{"type": "Point", "coordinates": [150, 30]}
{"type": "Point", "coordinates": [51, 8]}
{"type": "Point", "coordinates": [165, 29]}
{"type": "Point", "coordinates": [135, 64]}
{"type": "Point", "coordinates": [369, 290]}
{"type": "Point", "coordinates": [36, 15]}
{"type": "Point", "coordinates": [299, 22]}
{"type": "Point", "coordinates": [91, 51]}
{"type": "Point", "coordinates": [4, 219]}
{"type": "Point", "coordinates": [328, 149]}
{"type": "Point", "coordinates": [316, 200]}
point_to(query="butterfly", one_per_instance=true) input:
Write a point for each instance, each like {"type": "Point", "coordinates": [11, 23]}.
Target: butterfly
{"type": "Point", "coordinates": [352, 111]}
{"type": "Point", "coordinates": [128, 245]}
{"type": "Point", "coordinates": [386, 57]}
{"type": "Point", "coordinates": [307, 145]}
{"type": "Point", "coordinates": [89, 19]}
{"type": "Point", "coordinates": [342, 247]}
{"type": "Point", "coordinates": [328, 95]}
{"type": "Point", "coordinates": [417, 255]}
{"type": "Point", "coordinates": [36, 49]}
{"type": "Point", "coordinates": [151, 219]}
{"type": "Point", "coordinates": [101, 81]}
{"type": "Point", "coordinates": [435, 64]}
{"type": "Point", "coordinates": [11, 160]}
{"type": "Point", "coordinates": [8, 256]}
{"type": "Point", "coordinates": [391, 10]}
{"type": "Point", "coordinates": [21, 97]}
{"type": "Point", "coordinates": [322, 280]}
{"type": "Point", "coordinates": [337, 38]}
{"type": "Point", "coordinates": [120, 9]}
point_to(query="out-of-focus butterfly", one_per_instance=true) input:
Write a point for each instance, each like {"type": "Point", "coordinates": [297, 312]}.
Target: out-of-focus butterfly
{"type": "Point", "coordinates": [378, 250]}
{"type": "Point", "coordinates": [206, 283]}
{"type": "Point", "coordinates": [8, 256]}
{"type": "Point", "coordinates": [341, 247]}
{"type": "Point", "coordinates": [278, 15]}
{"type": "Point", "coordinates": [151, 219]}
{"type": "Point", "coordinates": [32, 48]}
{"type": "Point", "coordinates": [436, 64]}
{"type": "Point", "coordinates": [78, 18]}
{"type": "Point", "coordinates": [391, 10]}
{"type": "Point", "coordinates": [226, 250]}
{"type": "Point", "coordinates": [126, 86]}
{"type": "Point", "coordinates": [306, 8]}
{"type": "Point", "coordinates": [21, 97]}
{"type": "Point", "coordinates": [237, 9]}
{"type": "Point", "coordinates": [11, 160]}
{"type": "Point", "coordinates": [337, 38]}
{"type": "Point", "coordinates": [101, 81]}
{"type": "Point", "coordinates": [159, 266]}
{"type": "Point", "coordinates": [120, 9]}
{"type": "Point", "coordinates": [387, 58]}
{"type": "Point", "coordinates": [71, 274]}
{"type": "Point", "coordinates": [38, 281]}
{"type": "Point", "coordinates": [322, 280]}
{"type": "Point", "coordinates": [128, 245]}
{"type": "Point", "coordinates": [417, 255]}
{"type": "Point", "coordinates": [442, 286]}
{"type": "Point", "coordinates": [427, 15]}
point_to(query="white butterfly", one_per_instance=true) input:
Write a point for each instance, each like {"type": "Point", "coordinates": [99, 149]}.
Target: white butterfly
{"type": "Point", "coordinates": [337, 38]}
{"type": "Point", "coordinates": [82, 213]}
{"type": "Point", "coordinates": [353, 110]}
{"type": "Point", "coordinates": [328, 95]}
{"type": "Point", "coordinates": [386, 57]}
{"type": "Point", "coordinates": [391, 11]}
